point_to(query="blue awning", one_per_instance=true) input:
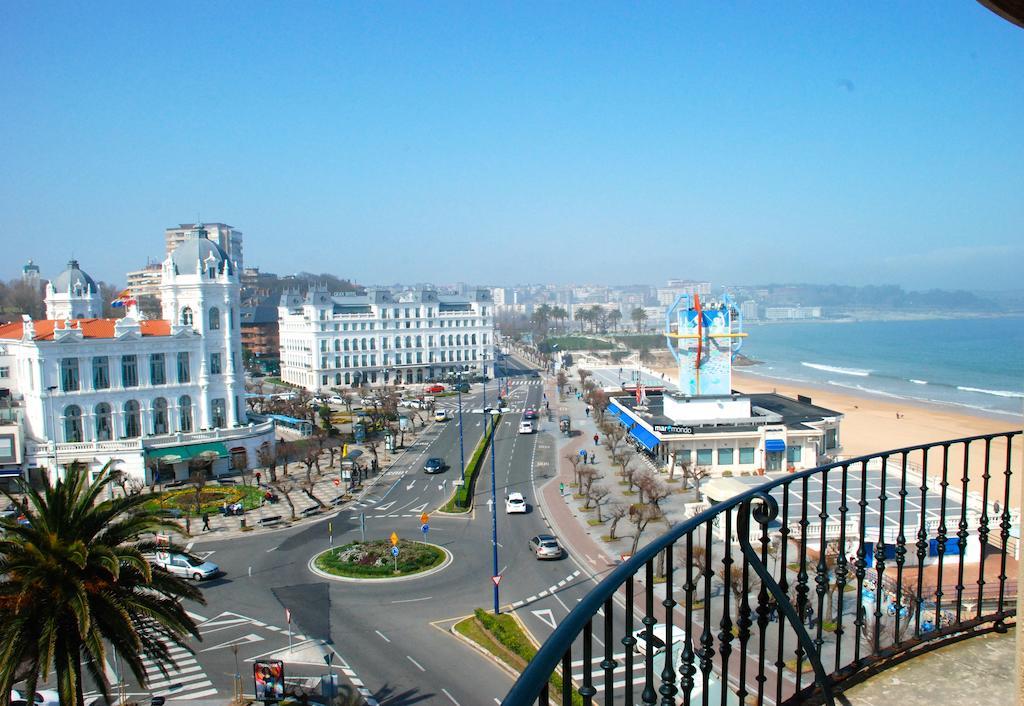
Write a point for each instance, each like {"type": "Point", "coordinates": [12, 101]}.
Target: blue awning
{"type": "Point", "coordinates": [622, 415]}
{"type": "Point", "coordinates": [774, 445]}
{"type": "Point", "coordinates": [646, 438]}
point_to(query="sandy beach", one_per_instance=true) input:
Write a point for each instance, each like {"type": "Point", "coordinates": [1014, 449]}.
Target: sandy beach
{"type": "Point", "coordinates": [870, 425]}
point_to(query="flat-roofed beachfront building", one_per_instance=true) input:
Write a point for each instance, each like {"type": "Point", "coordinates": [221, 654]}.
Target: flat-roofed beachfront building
{"type": "Point", "coordinates": [382, 337]}
{"type": "Point", "coordinates": [149, 395]}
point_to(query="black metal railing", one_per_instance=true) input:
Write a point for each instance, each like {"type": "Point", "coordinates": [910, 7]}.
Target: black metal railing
{"type": "Point", "coordinates": [862, 563]}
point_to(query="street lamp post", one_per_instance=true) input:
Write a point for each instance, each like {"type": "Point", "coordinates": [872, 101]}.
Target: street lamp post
{"type": "Point", "coordinates": [53, 426]}
{"type": "Point", "coordinates": [483, 358]}
{"type": "Point", "coordinates": [494, 516]}
{"type": "Point", "coordinates": [462, 450]}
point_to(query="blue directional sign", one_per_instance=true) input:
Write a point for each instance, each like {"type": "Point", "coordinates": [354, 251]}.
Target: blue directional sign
{"type": "Point", "coordinates": [425, 528]}
{"type": "Point", "coordinates": [394, 551]}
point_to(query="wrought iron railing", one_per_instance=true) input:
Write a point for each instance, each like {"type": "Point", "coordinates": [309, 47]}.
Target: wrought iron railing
{"type": "Point", "coordinates": [799, 587]}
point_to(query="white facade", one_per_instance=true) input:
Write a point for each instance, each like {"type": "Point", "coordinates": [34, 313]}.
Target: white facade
{"type": "Point", "coordinates": [675, 287]}
{"type": "Point", "coordinates": [73, 295]}
{"type": "Point", "coordinates": [381, 337]}
{"type": "Point", "coordinates": [94, 390]}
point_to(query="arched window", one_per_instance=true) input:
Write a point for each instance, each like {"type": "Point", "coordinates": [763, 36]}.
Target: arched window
{"type": "Point", "coordinates": [337, 378]}
{"type": "Point", "coordinates": [185, 413]}
{"type": "Point", "coordinates": [345, 345]}
{"type": "Point", "coordinates": [458, 339]}
{"type": "Point", "coordinates": [72, 424]}
{"type": "Point", "coordinates": [362, 344]}
{"type": "Point", "coordinates": [419, 341]}
{"type": "Point", "coordinates": [373, 344]}
{"type": "Point", "coordinates": [104, 427]}
{"type": "Point", "coordinates": [337, 344]}
{"type": "Point", "coordinates": [132, 419]}
{"type": "Point", "coordinates": [160, 416]}
{"type": "Point", "coordinates": [186, 316]}
{"type": "Point", "coordinates": [348, 378]}
{"type": "Point", "coordinates": [214, 318]}
{"type": "Point", "coordinates": [474, 339]}
{"type": "Point", "coordinates": [450, 339]}
{"type": "Point", "coordinates": [398, 341]}
{"type": "Point", "coordinates": [408, 341]}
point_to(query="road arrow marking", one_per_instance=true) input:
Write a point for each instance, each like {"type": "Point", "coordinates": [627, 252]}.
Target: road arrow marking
{"type": "Point", "coordinates": [490, 505]}
{"type": "Point", "coordinates": [409, 487]}
{"type": "Point", "coordinates": [245, 639]}
{"type": "Point", "coordinates": [546, 616]}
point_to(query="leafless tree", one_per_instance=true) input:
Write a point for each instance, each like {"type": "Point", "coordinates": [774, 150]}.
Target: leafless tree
{"type": "Point", "coordinates": [584, 374]}
{"type": "Point", "coordinates": [134, 486]}
{"type": "Point", "coordinates": [599, 401]}
{"type": "Point", "coordinates": [197, 475]}
{"type": "Point", "coordinates": [696, 474]}
{"type": "Point", "coordinates": [575, 459]}
{"type": "Point", "coordinates": [629, 472]}
{"type": "Point", "coordinates": [560, 381]}
{"type": "Point", "coordinates": [733, 581]}
{"type": "Point", "coordinates": [641, 516]}
{"type": "Point", "coordinates": [266, 455]}
{"type": "Point", "coordinates": [613, 437]}
{"type": "Point", "coordinates": [616, 512]}
{"type": "Point", "coordinates": [653, 489]}
{"type": "Point", "coordinates": [239, 463]}
{"type": "Point", "coordinates": [311, 460]}
{"type": "Point", "coordinates": [597, 494]}
{"type": "Point", "coordinates": [587, 476]}
{"type": "Point", "coordinates": [285, 487]}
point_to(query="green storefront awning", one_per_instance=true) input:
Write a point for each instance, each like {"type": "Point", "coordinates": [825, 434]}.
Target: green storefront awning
{"type": "Point", "coordinates": [177, 454]}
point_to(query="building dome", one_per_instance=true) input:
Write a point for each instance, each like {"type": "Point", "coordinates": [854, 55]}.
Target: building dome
{"type": "Point", "coordinates": [73, 281]}
{"type": "Point", "coordinates": [198, 248]}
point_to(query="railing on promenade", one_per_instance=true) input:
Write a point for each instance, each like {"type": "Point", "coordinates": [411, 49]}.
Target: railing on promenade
{"type": "Point", "coordinates": [799, 587]}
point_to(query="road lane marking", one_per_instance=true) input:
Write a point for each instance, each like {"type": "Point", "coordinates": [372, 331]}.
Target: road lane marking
{"type": "Point", "coordinates": [418, 665]}
{"type": "Point", "coordinates": [413, 600]}
{"type": "Point", "coordinates": [382, 636]}
{"type": "Point", "coordinates": [546, 616]}
{"type": "Point", "coordinates": [452, 698]}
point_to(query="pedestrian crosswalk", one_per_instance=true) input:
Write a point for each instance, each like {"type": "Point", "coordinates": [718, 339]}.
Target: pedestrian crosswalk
{"type": "Point", "coordinates": [185, 678]}
{"type": "Point", "coordinates": [597, 675]}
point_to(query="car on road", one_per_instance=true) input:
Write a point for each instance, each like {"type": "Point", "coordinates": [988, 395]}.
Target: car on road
{"type": "Point", "coordinates": [546, 546]}
{"type": "Point", "coordinates": [530, 413]}
{"type": "Point", "coordinates": [434, 465]}
{"type": "Point", "coordinates": [526, 427]}
{"type": "Point", "coordinates": [335, 399]}
{"type": "Point", "coordinates": [461, 387]}
{"type": "Point", "coordinates": [657, 643]}
{"type": "Point", "coordinates": [434, 388]}
{"type": "Point", "coordinates": [43, 697]}
{"type": "Point", "coordinates": [441, 415]}
{"type": "Point", "coordinates": [515, 502]}
{"type": "Point", "coordinates": [187, 566]}
{"type": "Point", "coordinates": [370, 402]}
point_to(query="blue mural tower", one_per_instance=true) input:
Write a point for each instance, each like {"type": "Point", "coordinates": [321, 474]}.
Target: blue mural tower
{"type": "Point", "coordinates": [704, 338]}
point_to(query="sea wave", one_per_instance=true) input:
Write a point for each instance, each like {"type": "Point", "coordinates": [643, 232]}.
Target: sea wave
{"type": "Point", "coordinates": [869, 390]}
{"type": "Point", "coordinates": [918, 382]}
{"type": "Point", "coordinates": [997, 393]}
{"type": "Point", "coordinates": [836, 369]}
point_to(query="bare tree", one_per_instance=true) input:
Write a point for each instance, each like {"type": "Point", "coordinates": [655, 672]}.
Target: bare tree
{"type": "Point", "coordinates": [696, 474]}
{"type": "Point", "coordinates": [311, 460]}
{"type": "Point", "coordinates": [733, 581]}
{"type": "Point", "coordinates": [575, 459]}
{"type": "Point", "coordinates": [134, 486]}
{"type": "Point", "coordinates": [598, 399]}
{"type": "Point", "coordinates": [239, 463]}
{"type": "Point", "coordinates": [266, 455]}
{"type": "Point", "coordinates": [198, 476]}
{"type": "Point", "coordinates": [641, 516]}
{"type": "Point", "coordinates": [654, 489]}
{"type": "Point", "coordinates": [616, 512]}
{"type": "Point", "coordinates": [597, 494]}
{"type": "Point", "coordinates": [584, 374]}
{"type": "Point", "coordinates": [629, 472]}
{"type": "Point", "coordinates": [587, 475]}
{"type": "Point", "coordinates": [284, 486]}
{"type": "Point", "coordinates": [560, 381]}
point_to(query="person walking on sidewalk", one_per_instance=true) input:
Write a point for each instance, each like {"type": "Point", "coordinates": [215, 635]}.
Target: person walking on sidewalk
{"type": "Point", "coordinates": [206, 522]}
{"type": "Point", "coordinates": [595, 439]}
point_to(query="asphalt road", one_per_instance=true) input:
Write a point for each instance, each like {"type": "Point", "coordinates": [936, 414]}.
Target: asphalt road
{"type": "Point", "coordinates": [390, 640]}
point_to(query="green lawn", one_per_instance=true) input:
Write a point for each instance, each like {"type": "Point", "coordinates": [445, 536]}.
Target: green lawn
{"type": "Point", "coordinates": [374, 559]}
{"type": "Point", "coordinates": [212, 499]}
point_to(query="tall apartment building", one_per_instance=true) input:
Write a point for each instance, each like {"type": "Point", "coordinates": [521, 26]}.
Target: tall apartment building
{"type": "Point", "coordinates": [791, 313]}
{"type": "Point", "coordinates": [668, 294]}
{"type": "Point", "coordinates": [749, 310]}
{"type": "Point", "coordinates": [227, 237]}
{"type": "Point", "coordinates": [383, 337]}
{"type": "Point", "coordinates": [145, 282]}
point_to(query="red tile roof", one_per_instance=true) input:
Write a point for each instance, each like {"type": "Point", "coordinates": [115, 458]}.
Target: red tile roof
{"type": "Point", "coordinates": [91, 328]}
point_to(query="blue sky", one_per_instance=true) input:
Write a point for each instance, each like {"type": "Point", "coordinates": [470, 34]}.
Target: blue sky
{"type": "Point", "coordinates": [499, 143]}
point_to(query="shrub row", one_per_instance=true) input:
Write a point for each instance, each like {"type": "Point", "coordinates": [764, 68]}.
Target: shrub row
{"type": "Point", "coordinates": [461, 499]}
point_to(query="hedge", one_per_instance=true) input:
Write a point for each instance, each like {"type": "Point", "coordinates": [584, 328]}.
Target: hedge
{"type": "Point", "coordinates": [460, 501]}
{"type": "Point", "coordinates": [507, 632]}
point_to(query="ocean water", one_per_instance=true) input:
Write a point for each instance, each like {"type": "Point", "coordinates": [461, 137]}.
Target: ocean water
{"type": "Point", "coordinates": [972, 363]}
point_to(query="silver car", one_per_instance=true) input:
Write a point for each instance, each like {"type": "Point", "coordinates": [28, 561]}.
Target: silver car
{"type": "Point", "coordinates": [546, 546]}
{"type": "Point", "coordinates": [189, 567]}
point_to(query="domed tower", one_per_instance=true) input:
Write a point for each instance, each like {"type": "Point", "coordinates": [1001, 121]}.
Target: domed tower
{"type": "Point", "coordinates": [200, 289]}
{"type": "Point", "coordinates": [73, 295]}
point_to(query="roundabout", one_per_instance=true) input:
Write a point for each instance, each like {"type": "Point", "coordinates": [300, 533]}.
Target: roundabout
{"type": "Point", "coordinates": [378, 562]}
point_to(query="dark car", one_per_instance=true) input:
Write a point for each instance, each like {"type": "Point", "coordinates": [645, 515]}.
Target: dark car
{"type": "Point", "coordinates": [461, 387]}
{"type": "Point", "coordinates": [434, 465]}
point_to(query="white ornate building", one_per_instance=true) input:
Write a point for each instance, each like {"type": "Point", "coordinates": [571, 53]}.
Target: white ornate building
{"type": "Point", "coordinates": [380, 337]}
{"type": "Point", "coordinates": [149, 395]}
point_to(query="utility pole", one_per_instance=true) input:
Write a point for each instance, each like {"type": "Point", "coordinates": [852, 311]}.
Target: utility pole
{"type": "Point", "coordinates": [494, 517]}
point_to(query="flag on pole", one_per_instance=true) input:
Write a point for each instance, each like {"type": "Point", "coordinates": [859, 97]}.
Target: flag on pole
{"type": "Point", "coordinates": [125, 298]}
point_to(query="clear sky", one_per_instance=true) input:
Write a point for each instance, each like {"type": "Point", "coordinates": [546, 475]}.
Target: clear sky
{"type": "Point", "coordinates": [859, 143]}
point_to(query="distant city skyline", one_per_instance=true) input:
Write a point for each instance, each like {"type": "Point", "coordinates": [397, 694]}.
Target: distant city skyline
{"type": "Point", "coordinates": [862, 145]}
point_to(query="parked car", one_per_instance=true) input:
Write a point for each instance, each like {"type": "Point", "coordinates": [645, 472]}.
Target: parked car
{"type": "Point", "coordinates": [370, 402]}
{"type": "Point", "coordinates": [526, 427]}
{"type": "Point", "coordinates": [546, 546]}
{"type": "Point", "coordinates": [43, 697]}
{"type": "Point", "coordinates": [336, 400]}
{"type": "Point", "coordinates": [657, 644]}
{"type": "Point", "coordinates": [434, 465]}
{"type": "Point", "coordinates": [441, 415]}
{"type": "Point", "coordinates": [515, 502]}
{"type": "Point", "coordinates": [189, 567]}
{"type": "Point", "coordinates": [434, 388]}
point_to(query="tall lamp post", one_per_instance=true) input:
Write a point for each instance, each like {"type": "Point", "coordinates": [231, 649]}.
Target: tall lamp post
{"type": "Point", "coordinates": [483, 358]}
{"type": "Point", "coordinates": [462, 450]}
{"type": "Point", "coordinates": [494, 514]}
{"type": "Point", "coordinates": [53, 426]}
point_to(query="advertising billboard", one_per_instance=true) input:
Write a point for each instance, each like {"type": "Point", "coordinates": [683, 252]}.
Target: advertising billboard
{"type": "Point", "coordinates": [269, 677]}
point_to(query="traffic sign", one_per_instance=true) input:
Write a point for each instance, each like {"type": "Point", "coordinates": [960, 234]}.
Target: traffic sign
{"type": "Point", "coordinates": [425, 528]}
{"type": "Point", "coordinates": [337, 482]}
{"type": "Point", "coordinates": [394, 551]}
{"type": "Point", "coordinates": [394, 539]}
{"type": "Point", "coordinates": [424, 518]}
{"type": "Point", "coordinates": [496, 579]}
{"type": "Point", "coordinates": [288, 616]}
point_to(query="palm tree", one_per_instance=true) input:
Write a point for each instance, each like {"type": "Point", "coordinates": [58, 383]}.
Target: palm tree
{"type": "Point", "coordinates": [614, 317]}
{"type": "Point", "coordinates": [76, 578]}
{"type": "Point", "coordinates": [560, 314]}
{"type": "Point", "coordinates": [639, 316]}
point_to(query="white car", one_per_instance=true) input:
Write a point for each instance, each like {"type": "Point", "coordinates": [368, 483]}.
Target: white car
{"type": "Point", "coordinates": [337, 400]}
{"type": "Point", "coordinates": [526, 427]}
{"type": "Point", "coordinates": [181, 565]}
{"type": "Point", "coordinates": [515, 502]}
{"type": "Point", "coordinates": [43, 697]}
{"type": "Point", "coordinates": [441, 415]}
{"type": "Point", "coordinates": [657, 638]}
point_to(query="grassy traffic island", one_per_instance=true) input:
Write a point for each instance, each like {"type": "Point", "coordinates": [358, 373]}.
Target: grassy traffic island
{"type": "Point", "coordinates": [504, 639]}
{"type": "Point", "coordinates": [373, 560]}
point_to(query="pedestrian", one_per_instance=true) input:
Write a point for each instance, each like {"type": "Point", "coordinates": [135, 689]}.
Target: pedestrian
{"type": "Point", "coordinates": [588, 411]}
{"type": "Point", "coordinates": [595, 439]}
{"type": "Point", "coordinates": [206, 522]}
{"type": "Point", "coordinates": [583, 453]}
{"type": "Point", "coordinates": [810, 617]}
{"type": "Point", "coordinates": [258, 476]}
